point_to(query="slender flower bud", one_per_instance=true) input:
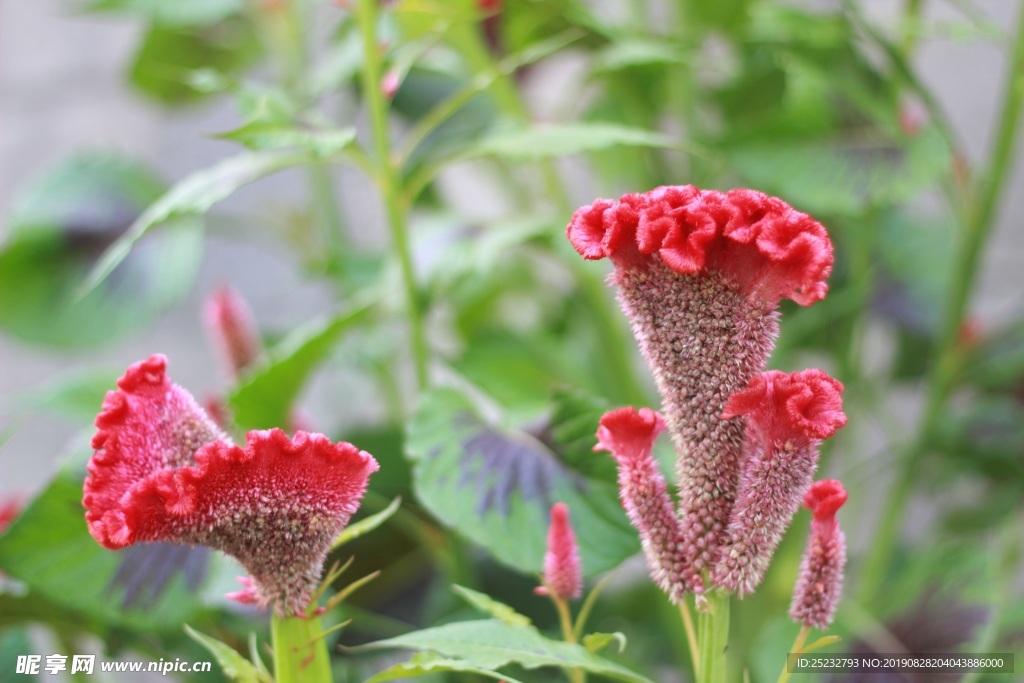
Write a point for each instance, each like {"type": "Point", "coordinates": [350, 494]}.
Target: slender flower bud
{"type": "Point", "coordinates": [700, 273]}
{"type": "Point", "coordinates": [629, 435]}
{"type": "Point", "coordinates": [232, 330]}
{"type": "Point", "coordinates": [563, 571]}
{"type": "Point", "coordinates": [787, 416]}
{"type": "Point", "coordinates": [162, 471]}
{"type": "Point", "coordinates": [821, 572]}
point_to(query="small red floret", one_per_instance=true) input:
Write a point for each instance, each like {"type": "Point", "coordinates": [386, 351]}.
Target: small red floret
{"type": "Point", "coordinates": [782, 406]}
{"type": "Point", "coordinates": [629, 433]}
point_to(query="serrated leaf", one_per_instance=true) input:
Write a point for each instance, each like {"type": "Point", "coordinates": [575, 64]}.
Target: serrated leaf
{"type": "Point", "coordinates": [234, 665]}
{"type": "Point", "coordinates": [321, 142]}
{"type": "Point", "coordinates": [595, 642]}
{"type": "Point", "coordinates": [194, 195]}
{"type": "Point", "coordinates": [50, 550]}
{"type": "Point", "coordinates": [424, 663]}
{"type": "Point", "coordinates": [366, 525]}
{"type": "Point", "coordinates": [491, 644]}
{"type": "Point", "coordinates": [491, 607]}
{"type": "Point", "coordinates": [558, 140]}
{"type": "Point", "coordinates": [496, 486]}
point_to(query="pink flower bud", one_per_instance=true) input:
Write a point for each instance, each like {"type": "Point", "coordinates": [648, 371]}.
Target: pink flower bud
{"type": "Point", "coordinates": [787, 415]}
{"type": "Point", "coordinates": [162, 471]}
{"type": "Point", "coordinates": [821, 572]}
{"type": "Point", "coordinates": [563, 571]}
{"type": "Point", "coordinates": [629, 435]}
{"type": "Point", "coordinates": [232, 329]}
{"type": "Point", "coordinates": [390, 83]}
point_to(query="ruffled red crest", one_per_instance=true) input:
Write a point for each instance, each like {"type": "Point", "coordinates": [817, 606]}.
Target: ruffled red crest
{"type": "Point", "coordinates": [163, 472]}
{"type": "Point", "coordinates": [563, 571]}
{"type": "Point", "coordinates": [628, 433]}
{"type": "Point", "coordinates": [824, 498]}
{"type": "Point", "coordinates": [147, 425]}
{"type": "Point", "coordinates": [790, 406]}
{"type": "Point", "coordinates": [770, 250]}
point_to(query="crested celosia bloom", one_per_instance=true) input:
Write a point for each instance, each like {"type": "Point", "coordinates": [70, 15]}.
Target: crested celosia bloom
{"type": "Point", "coordinates": [700, 273]}
{"type": "Point", "coordinates": [629, 435]}
{"type": "Point", "coordinates": [563, 571]}
{"type": "Point", "coordinates": [163, 471]}
{"type": "Point", "coordinates": [821, 572]}
{"type": "Point", "coordinates": [787, 416]}
{"type": "Point", "coordinates": [233, 330]}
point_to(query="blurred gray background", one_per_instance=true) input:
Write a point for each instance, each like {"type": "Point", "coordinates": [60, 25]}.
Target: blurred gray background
{"type": "Point", "coordinates": [62, 90]}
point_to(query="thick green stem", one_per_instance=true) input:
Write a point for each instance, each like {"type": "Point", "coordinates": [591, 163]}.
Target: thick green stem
{"type": "Point", "coordinates": [714, 639]}
{"type": "Point", "coordinates": [389, 178]}
{"type": "Point", "coordinates": [949, 352]}
{"type": "Point", "coordinates": [300, 654]}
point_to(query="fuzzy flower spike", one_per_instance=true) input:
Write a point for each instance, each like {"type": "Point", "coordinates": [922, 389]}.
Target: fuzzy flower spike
{"type": "Point", "coordinates": [162, 471]}
{"type": "Point", "coordinates": [563, 570]}
{"type": "Point", "coordinates": [821, 572]}
{"type": "Point", "coordinates": [788, 414]}
{"type": "Point", "coordinates": [700, 273]}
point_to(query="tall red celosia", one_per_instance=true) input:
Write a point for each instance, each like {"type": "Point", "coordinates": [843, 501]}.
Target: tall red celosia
{"type": "Point", "coordinates": [629, 435]}
{"type": "Point", "coordinates": [162, 471]}
{"type": "Point", "coordinates": [700, 273]}
{"type": "Point", "coordinates": [821, 572]}
{"type": "Point", "coordinates": [787, 416]}
{"type": "Point", "coordinates": [563, 570]}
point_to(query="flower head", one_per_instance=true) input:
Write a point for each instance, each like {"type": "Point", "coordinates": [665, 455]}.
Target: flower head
{"type": "Point", "coordinates": [162, 471]}
{"type": "Point", "coordinates": [821, 572]}
{"type": "Point", "coordinates": [787, 414]}
{"type": "Point", "coordinates": [563, 571]}
{"type": "Point", "coordinates": [233, 330]}
{"type": "Point", "coordinates": [629, 435]}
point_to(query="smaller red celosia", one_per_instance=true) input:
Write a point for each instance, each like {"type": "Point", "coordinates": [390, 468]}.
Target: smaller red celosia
{"type": "Point", "coordinates": [629, 435]}
{"type": "Point", "coordinates": [163, 472]}
{"type": "Point", "coordinates": [233, 330]}
{"type": "Point", "coordinates": [787, 415]}
{"type": "Point", "coordinates": [563, 571]}
{"type": "Point", "coordinates": [821, 572]}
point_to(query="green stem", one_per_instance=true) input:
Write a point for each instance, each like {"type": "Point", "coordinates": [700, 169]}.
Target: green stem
{"type": "Point", "coordinates": [980, 220]}
{"type": "Point", "coordinates": [327, 213]}
{"type": "Point", "coordinates": [395, 206]}
{"type": "Point", "coordinates": [568, 634]}
{"type": "Point", "coordinates": [714, 639]}
{"type": "Point", "coordinates": [300, 654]}
{"type": "Point", "coordinates": [691, 635]}
{"type": "Point", "coordinates": [797, 648]}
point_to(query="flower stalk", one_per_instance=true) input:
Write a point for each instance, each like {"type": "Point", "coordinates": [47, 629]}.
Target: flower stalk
{"type": "Point", "coordinates": [300, 653]}
{"type": "Point", "coordinates": [714, 638]}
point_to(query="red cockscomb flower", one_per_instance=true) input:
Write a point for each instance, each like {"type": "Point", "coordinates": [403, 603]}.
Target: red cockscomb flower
{"type": "Point", "coordinates": [163, 471]}
{"type": "Point", "coordinates": [629, 435]}
{"type": "Point", "coordinates": [821, 572]}
{"type": "Point", "coordinates": [787, 415]}
{"type": "Point", "coordinates": [700, 273]}
{"type": "Point", "coordinates": [563, 571]}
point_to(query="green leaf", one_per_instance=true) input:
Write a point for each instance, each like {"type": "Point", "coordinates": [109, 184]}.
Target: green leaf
{"type": "Point", "coordinates": [320, 142]}
{"type": "Point", "coordinates": [13, 643]}
{"type": "Point", "coordinates": [57, 228]}
{"type": "Point", "coordinates": [234, 665]}
{"type": "Point", "coordinates": [424, 663]}
{"type": "Point", "coordinates": [496, 486]}
{"type": "Point", "coordinates": [267, 393]}
{"type": "Point", "coordinates": [365, 526]}
{"type": "Point", "coordinates": [77, 396]}
{"type": "Point", "coordinates": [491, 644]}
{"type": "Point", "coordinates": [50, 550]}
{"type": "Point", "coordinates": [195, 195]}
{"type": "Point", "coordinates": [177, 13]}
{"type": "Point", "coordinates": [491, 607]}
{"type": "Point", "coordinates": [557, 140]}
{"type": "Point", "coordinates": [595, 642]}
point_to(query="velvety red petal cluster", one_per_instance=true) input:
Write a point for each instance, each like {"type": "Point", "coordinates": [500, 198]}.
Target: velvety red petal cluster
{"type": "Point", "coordinates": [162, 471]}
{"type": "Point", "coordinates": [762, 244]}
{"type": "Point", "coordinates": [563, 570]}
{"type": "Point", "coordinates": [795, 406]}
{"type": "Point", "coordinates": [820, 581]}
